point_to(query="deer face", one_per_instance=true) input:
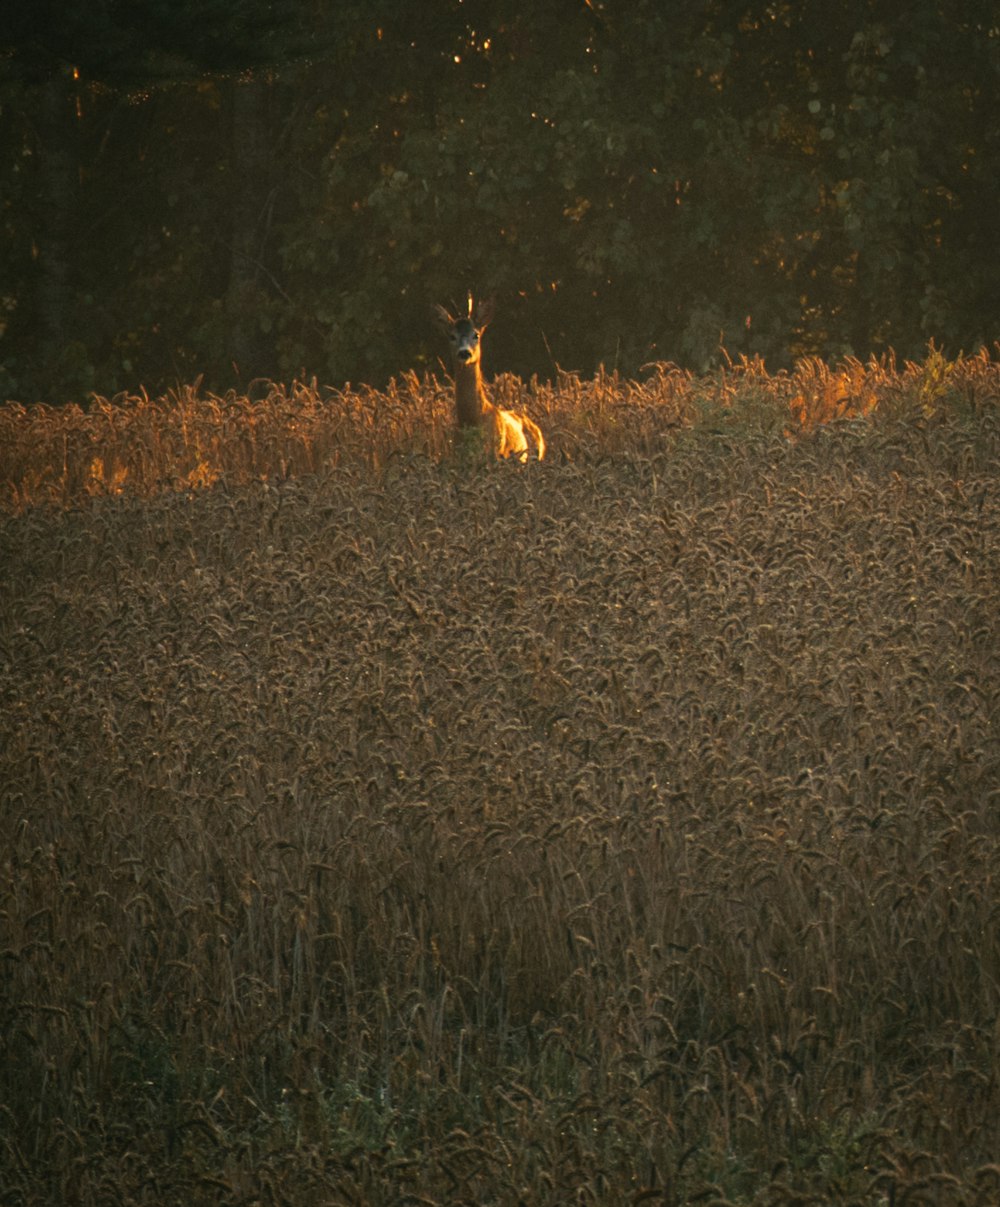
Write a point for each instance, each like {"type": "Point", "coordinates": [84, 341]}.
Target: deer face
{"type": "Point", "coordinates": [464, 334]}
{"type": "Point", "coordinates": [464, 337]}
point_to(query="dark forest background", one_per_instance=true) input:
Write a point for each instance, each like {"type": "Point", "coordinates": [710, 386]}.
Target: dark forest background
{"type": "Point", "coordinates": [281, 188]}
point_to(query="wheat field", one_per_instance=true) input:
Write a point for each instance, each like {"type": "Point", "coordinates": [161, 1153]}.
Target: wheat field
{"type": "Point", "coordinates": [381, 828]}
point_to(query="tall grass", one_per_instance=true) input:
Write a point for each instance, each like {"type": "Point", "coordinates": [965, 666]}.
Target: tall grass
{"type": "Point", "coordinates": [135, 445]}
{"type": "Point", "coordinates": [624, 828]}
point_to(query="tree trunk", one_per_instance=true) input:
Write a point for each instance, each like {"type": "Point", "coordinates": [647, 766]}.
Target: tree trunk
{"type": "Point", "coordinates": [861, 313]}
{"type": "Point", "coordinates": [249, 226]}
{"type": "Point", "coordinates": [53, 229]}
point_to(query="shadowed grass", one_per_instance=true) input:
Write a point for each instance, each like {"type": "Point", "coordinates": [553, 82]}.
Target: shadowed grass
{"type": "Point", "coordinates": [618, 829]}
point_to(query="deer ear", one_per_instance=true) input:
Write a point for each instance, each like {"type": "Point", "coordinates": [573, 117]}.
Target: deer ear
{"type": "Point", "coordinates": [442, 318]}
{"type": "Point", "coordinates": [484, 313]}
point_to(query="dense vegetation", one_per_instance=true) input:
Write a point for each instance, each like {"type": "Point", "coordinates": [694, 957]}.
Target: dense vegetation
{"type": "Point", "coordinates": [282, 189]}
{"type": "Point", "coordinates": [376, 827]}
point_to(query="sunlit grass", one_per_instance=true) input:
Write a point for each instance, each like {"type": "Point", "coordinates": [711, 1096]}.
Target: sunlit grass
{"type": "Point", "coordinates": [132, 444]}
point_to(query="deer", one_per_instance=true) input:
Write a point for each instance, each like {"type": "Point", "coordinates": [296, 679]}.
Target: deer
{"type": "Point", "coordinates": [507, 433]}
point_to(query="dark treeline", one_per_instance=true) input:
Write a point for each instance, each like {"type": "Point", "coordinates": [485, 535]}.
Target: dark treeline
{"type": "Point", "coordinates": [275, 188]}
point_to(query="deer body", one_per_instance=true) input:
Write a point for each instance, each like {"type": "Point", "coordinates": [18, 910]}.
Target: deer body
{"type": "Point", "coordinates": [507, 433]}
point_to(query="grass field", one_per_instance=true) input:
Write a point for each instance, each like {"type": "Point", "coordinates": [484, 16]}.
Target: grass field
{"type": "Point", "coordinates": [382, 828]}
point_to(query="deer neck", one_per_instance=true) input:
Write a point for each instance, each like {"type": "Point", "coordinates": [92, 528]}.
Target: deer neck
{"type": "Point", "coordinates": [469, 394]}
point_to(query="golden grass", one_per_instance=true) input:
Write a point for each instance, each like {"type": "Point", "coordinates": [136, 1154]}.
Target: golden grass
{"type": "Point", "coordinates": [619, 829]}
{"type": "Point", "coordinates": [138, 446]}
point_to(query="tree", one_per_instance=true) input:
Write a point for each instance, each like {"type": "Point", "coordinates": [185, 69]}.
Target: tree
{"type": "Point", "coordinates": [291, 187]}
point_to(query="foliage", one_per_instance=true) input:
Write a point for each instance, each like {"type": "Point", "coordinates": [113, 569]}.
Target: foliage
{"type": "Point", "coordinates": [270, 190]}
